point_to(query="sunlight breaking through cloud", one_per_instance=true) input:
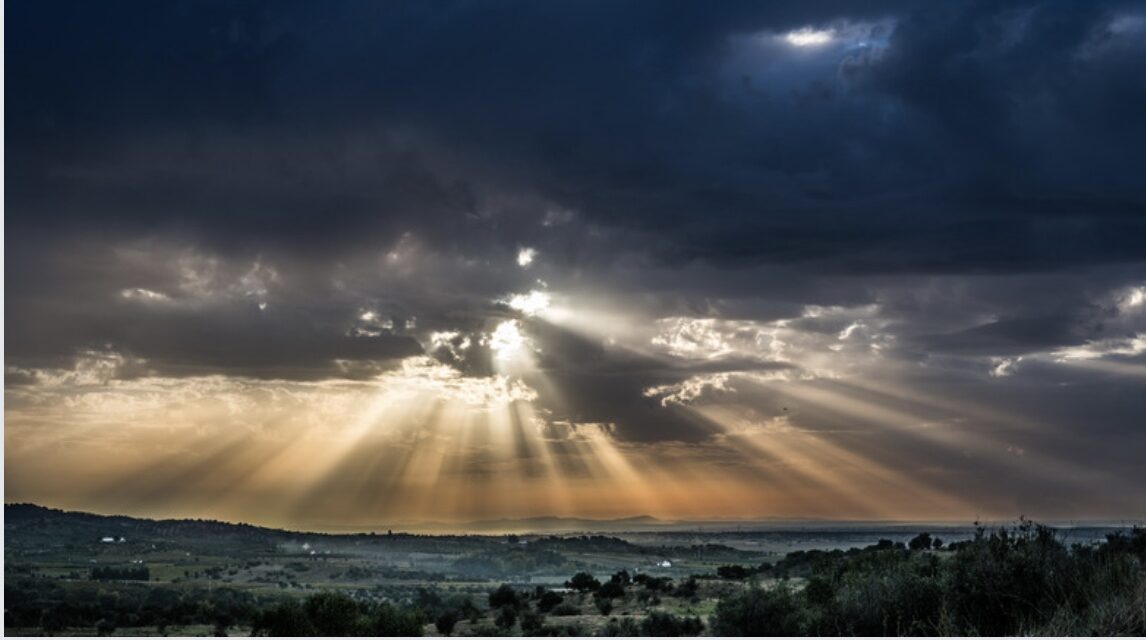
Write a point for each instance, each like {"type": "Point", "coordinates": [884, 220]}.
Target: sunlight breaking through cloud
{"type": "Point", "coordinates": [809, 37]}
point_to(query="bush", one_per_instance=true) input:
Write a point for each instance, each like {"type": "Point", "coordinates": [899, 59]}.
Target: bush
{"type": "Point", "coordinates": [548, 600]}
{"type": "Point", "coordinates": [335, 614]}
{"type": "Point", "coordinates": [920, 542]}
{"type": "Point", "coordinates": [664, 624]}
{"type": "Point", "coordinates": [1003, 580]}
{"type": "Point", "coordinates": [445, 622]}
{"type": "Point", "coordinates": [759, 612]}
{"type": "Point", "coordinates": [625, 627]}
{"type": "Point", "coordinates": [622, 578]}
{"type": "Point", "coordinates": [611, 590]}
{"type": "Point", "coordinates": [121, 573]}
{"type": "Point", "coordinates": [733, 572]}
{"type": "Point", "coordinates": [284, 620]}
{"type": "Point", "coordinates": [604, 605]}
{"type": "Point", "coordinates": [506, 617]}
{"type": "Point", "coordinates": [583, 582]}
{"type": "Point", "coordinates": [687, 589]}
{"type": "Point", "coordinates": [532, 623]}
{"type": "Point", "coordinates": [1003, 583]}
{"type": "Point", "coordinates": [504, 595]}
{"type": "Point", "coordinates": [566, 610]}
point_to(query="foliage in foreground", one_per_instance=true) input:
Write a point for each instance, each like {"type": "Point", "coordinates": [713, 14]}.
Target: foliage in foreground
{"type": "Point", "coordinates": [1023, 581]}
{"type": "Point", "coordinates": [336, 614]}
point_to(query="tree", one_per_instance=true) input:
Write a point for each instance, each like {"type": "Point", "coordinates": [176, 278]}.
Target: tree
{"type": "Point", "coordinates": [504, 595]}
{"type": "Point", "coordinates": [332, 614]}
{"type": "Point", "coordinates": [733, 572]}
{"type": "Point", "coordinates": [388, 621]}
{"type": "Point", "coordinates": [583, 582]}
{"type": "Point", "coordinates": [687, 589]}
{"type": "Point", "coordinates": [664, 624]}
{"type": "Point", "coordinates": [286, 619]}
{"type": "Point", "coordinates": [548, 600]}
{"type": "Point", "coordinates": [532, 624]}
{"type": "Point", "coordinates": [622, 578]}
{"type": "Point", "coordinates": [920, 542]}
{"type": "Point", "coordinates": [506, 617]}
{"type": "Point", "coordinates": [611, 590]}
{"type": "Point", "coordinates": [446, 621]}
{"type": "Point", "coordinates": [625, 627]}
{"type": "Point", "coordinates": [758, 612]}
{"type": "Point", "coordinates": [604, 605]}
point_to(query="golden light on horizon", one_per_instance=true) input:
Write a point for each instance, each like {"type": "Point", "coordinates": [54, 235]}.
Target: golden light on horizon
{"type": "Point", "coordinates": [423, 441]}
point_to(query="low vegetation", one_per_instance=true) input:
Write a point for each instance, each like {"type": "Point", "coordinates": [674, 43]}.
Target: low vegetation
{"type": "Point", "coordinates": [1024, 580]}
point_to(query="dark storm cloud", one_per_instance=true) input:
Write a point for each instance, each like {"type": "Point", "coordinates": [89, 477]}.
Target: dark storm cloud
{"type": "Point", "coordinates": [969, 136]}
{"type": "Point", "coordinates": [978, 164]}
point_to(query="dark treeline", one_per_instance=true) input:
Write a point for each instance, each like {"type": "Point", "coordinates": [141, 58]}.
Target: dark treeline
{"type": "Point", "coordinates": [121, 573]}
{"type": "Point", "coordinates": [1023, 581]}
{"type": "Point", "coordinates": [1020, 581]}
{"type": "Point", "coordinates": [53, 606]}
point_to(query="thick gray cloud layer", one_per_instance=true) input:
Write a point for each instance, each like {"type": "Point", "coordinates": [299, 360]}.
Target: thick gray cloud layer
{"type": "Point", "coordinates": [314, 190]}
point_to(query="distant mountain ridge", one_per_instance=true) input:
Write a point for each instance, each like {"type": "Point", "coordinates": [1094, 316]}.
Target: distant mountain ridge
{"type": "Point", "coordinates": [27, 514]}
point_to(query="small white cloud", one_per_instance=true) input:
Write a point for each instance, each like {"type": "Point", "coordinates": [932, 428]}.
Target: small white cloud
{"type": "Point", "coordinates": [1096, 349]}
{"type": "Point", "coordinates": [525, 257]}
{"type": "Point", "coordinates": [531, 303]}
{"type": "Point", "coordinates": [851, 328]}
{"type": "Point", "coordinates": [370, 324]}
{"type": "Point", "coordinates": [690, 390]}
{"type": "Point", "coordinates": [1003, 367]}
{"type": "Point", "coordinates": [1134, 300]}
{"type": "Point", "coordinates": [144, 294]}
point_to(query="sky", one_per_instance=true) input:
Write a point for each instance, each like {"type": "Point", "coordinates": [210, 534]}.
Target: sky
{"type": "Point", "coordinates": [349, 264]}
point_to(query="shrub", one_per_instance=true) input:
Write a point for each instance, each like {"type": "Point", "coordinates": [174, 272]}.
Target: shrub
{"type": "Point", "coordinates": [504, 595]}
{"type": "Point", "coordinates": [445, 622]}
{"type": "Point", "coordinates": [566, 610]}
{"type": "Point", "coordinates": [604, 605]}
{"type": "Point", "coordinates": [548, 600]}
{"type": "Point", "coordinates": [664, 624]}
{"type": "Point", "coordinates": [759, 612]}
{"type": "Point", "coordinates": [625, 627]}
{"type": "Point", "coordinates": [506, 617]}
{"type": "Point", "coordinates": [733, 572]}
{"type": "Point", "coordinates": [920, 542]}
{"type": "Point", "coordinates": [611, 590]}
{"type": "Point", "coordinates": [583, 582]}
{"type": "Point", "coordinates": [532, 623]}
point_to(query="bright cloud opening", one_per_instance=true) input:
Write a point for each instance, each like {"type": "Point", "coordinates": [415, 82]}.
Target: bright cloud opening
{"type": "Point", "coordinates": [531, 303]}
{"type": "Point", "coordinates": [808, 37]}
{"type": "Point", "coordinates": [507, 341]}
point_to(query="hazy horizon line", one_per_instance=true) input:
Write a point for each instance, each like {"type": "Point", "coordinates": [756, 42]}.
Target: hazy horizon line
{"type": "Point", "coordinates": [652, 523]}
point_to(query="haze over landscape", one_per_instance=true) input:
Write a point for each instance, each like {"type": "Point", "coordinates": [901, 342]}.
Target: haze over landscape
{"type": "Point", "coordinates": [337, 266]}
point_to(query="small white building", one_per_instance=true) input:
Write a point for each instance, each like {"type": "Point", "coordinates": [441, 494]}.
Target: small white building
{"type": "Point", "coordinates": [665, 564]}
{"type": "Point", "coordinates": [107, 539]}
